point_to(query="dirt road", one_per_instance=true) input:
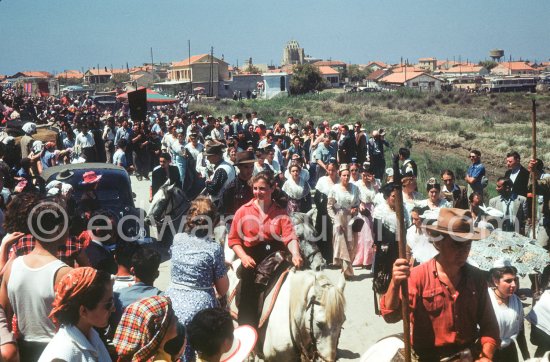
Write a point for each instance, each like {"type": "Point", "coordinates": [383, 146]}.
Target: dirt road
{"type": "Point", "coordinates": [362, 328]}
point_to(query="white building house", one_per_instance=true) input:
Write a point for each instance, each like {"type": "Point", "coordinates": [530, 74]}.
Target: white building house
{"type": "Point", "coordinates": [276, 84]}
{"type": "Point", "coordinates": [415, 80]}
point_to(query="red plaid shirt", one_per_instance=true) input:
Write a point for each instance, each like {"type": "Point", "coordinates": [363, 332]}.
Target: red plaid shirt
{"type": "Point", "coordinates": [67, 253]}
{"type": "Point", "coordinates": [142, 328]}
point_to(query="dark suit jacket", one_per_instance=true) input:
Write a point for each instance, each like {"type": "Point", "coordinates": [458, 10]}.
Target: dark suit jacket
{"type": "Point", "coordinates": [522, 180]}
{"type": "Point", "coordinates": [346, 149]}
{"type": "Point", "coordinates": [160, 177]}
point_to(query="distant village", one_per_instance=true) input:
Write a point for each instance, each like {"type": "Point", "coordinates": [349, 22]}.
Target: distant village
{"type": "Point", "coordinates": [211, 76]}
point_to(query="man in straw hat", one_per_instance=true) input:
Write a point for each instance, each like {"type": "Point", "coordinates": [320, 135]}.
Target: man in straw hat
{"type": "Point", "coordinates": [224, 173]}
{"type": "Point", "coordinates": [448, 298]}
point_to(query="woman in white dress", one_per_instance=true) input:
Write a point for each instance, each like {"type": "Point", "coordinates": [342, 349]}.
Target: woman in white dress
{"type": "Point", "coordinates": [368, 187]}
{"type": "Point", "coordinates": [297, 190]}
{"type": "Point", "coordinates": [509, 312]}
{"type": "Point", "coordinates": [435, 201]}
{"type": "Point", "coordinates": [343, 205]}
{"type": "Point", "coordinates": [323, 223]}
{"type": "Point", "coordinates": [419, 247]}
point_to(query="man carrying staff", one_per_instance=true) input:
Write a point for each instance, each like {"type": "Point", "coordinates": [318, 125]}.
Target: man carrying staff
{"type": "Point", "coordinates": [448, 298]}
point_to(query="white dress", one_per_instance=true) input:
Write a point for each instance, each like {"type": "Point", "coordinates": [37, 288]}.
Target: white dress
{"type": "Point", "coordinates": [364, 254]}
{"type": "Point", "coordinates": [340, 203]}
{"type": "Point", "coordinates": [421, 248]}
{"type": "Point", "coordinates": [509, 318]}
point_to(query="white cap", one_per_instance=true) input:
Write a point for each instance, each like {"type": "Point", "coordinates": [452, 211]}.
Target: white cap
{"type": "Point", "coordinates": [502, 263]}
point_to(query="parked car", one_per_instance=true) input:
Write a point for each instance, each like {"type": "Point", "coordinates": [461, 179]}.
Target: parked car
{"type": "Point", "coordinates": [114, 193]}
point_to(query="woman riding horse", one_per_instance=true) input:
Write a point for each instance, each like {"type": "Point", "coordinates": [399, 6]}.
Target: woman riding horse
{"type": "Point", "coordinates": [260, 228]}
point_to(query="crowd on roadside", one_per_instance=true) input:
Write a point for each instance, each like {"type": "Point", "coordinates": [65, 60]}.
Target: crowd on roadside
{"type": "Point", "coordinates": [228, 165]}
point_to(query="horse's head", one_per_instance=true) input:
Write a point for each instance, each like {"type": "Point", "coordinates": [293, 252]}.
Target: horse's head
{"type": "Point", "coordinates": [158, 207]}
{"type": "Point", "coordinates": [322, 316]}
{"type": "Point", "coordinates": [307, 235]}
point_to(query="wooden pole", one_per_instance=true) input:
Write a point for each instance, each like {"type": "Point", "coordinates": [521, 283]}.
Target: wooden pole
{"type": "Point", "coordinates": [400, 238]}
{"type": "Point", "coordinates": [533, 173]}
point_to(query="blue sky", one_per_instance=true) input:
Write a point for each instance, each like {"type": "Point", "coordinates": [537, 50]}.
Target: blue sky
{"type": "Point", "coordinates": [55, 35]}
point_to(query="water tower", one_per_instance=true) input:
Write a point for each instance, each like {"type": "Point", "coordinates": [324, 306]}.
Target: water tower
{"type": "Point", "coordinates": [496, 54]}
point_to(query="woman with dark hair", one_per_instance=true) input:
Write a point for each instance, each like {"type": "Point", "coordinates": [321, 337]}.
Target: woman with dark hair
{"type": "Point", "coordinates": [198, 264]}
{"type": "Point", "coordinates": [342, 206]}
{"type": "Point", "coordinates": [508, 310]}
{"type": "Point", "coordinates": [435, 201]}
{"type": "Point", "coordinates": [368, 187]}
{"type": "Point", "coordinates": [385, 225]}
{"type": "Point", "coordinates": [323, 223]}
{"type": "Point", "coordinates": [83, 301]}
{"type": "Point", "coordinates": [260, 228]}
{"type": "Point", "coordinates": [297, 190]}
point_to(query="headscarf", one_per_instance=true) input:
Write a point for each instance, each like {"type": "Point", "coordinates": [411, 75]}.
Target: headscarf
{"type": "Point", "coordinates": [142, 328]}
{"type": "Point", "coordinates": [70, 286]}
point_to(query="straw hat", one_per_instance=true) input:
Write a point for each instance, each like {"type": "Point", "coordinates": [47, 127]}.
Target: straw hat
{"type": "Point", "coordinates": [244, 340]}
{"type": "Point", "coordinates": [457, 223]}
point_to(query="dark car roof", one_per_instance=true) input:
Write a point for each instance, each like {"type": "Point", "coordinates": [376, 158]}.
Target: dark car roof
{"type": "Point", "coordinates": [88, 166]}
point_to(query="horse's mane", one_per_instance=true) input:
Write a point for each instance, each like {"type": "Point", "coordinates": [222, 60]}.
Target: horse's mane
{"type": "Point", "coordinates": [330, 296]}
{"type": "Point", "coordinates": [333, 300]}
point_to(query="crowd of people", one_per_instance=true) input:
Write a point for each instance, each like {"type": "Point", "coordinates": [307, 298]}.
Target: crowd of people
{"type": "Point", "coordinates": [63, 284]}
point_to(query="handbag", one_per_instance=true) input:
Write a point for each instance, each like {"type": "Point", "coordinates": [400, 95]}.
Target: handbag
{"type": "Point", "coordinates": [357, 225]}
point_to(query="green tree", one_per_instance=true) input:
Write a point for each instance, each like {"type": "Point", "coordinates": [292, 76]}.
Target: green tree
{"type": "Point", "coordinates": [489, 64]}
{"type": "Point", "coordinates": [356, 74]}
{"type": "Point", "coordinates": [253, 69]}
{"type": "Point", "coordinates": [306, 78]}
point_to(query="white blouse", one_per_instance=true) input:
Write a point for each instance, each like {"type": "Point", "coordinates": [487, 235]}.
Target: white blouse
{"type": "Point", "coordinates": [509, 318]}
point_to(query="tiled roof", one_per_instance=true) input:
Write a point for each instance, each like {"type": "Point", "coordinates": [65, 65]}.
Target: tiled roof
{"type": "Point", "coordinates": [329, 63]}
{"type": "Point", "coordinates": [194, 59]}
{"type": "Point", "coordinates": [377, 74]}
{"type": "Point", "coordinates": [463, 69]}
{"type": "Point", "coordinates": [516, 66]}
{"type": "Point", "coordinates": [70, 74]}
{"type": "Point", "coordinates": [426, 59]}
{"type": "Point", "coordinates": [400, 77]}
{"type": "Point", "coordinates": [380, 64]}
{"type": "Point", "coordinates": [408, 69]}
{"type": "Point", "coordinates": [36, 73]}
{"type": "Point", "coordinates": [327, 70]}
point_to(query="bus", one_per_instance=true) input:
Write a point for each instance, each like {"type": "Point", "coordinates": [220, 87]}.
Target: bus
{"type": "Point", "coordinates": [510, 84]}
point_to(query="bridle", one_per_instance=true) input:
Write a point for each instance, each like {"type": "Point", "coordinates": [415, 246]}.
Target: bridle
{"type": "Point", "coordinates": [310, 351]}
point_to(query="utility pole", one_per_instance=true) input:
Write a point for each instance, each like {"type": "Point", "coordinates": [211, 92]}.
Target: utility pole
{"type": "Point", "coordinates": [189, 64]}
{"type": "Point", "coordinates": [152, 62]}
{"type": "Point", "coordinates": [211, 90]}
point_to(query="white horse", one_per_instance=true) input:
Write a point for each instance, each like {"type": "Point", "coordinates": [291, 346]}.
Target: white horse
{"type": "Point", "coordinates": [167, 210]}
{"type": "Point", "coordinates": [306, 319]}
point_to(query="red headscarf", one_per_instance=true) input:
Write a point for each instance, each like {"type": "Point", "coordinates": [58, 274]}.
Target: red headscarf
{"type": "Point", "coordinates": [70, 286]}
